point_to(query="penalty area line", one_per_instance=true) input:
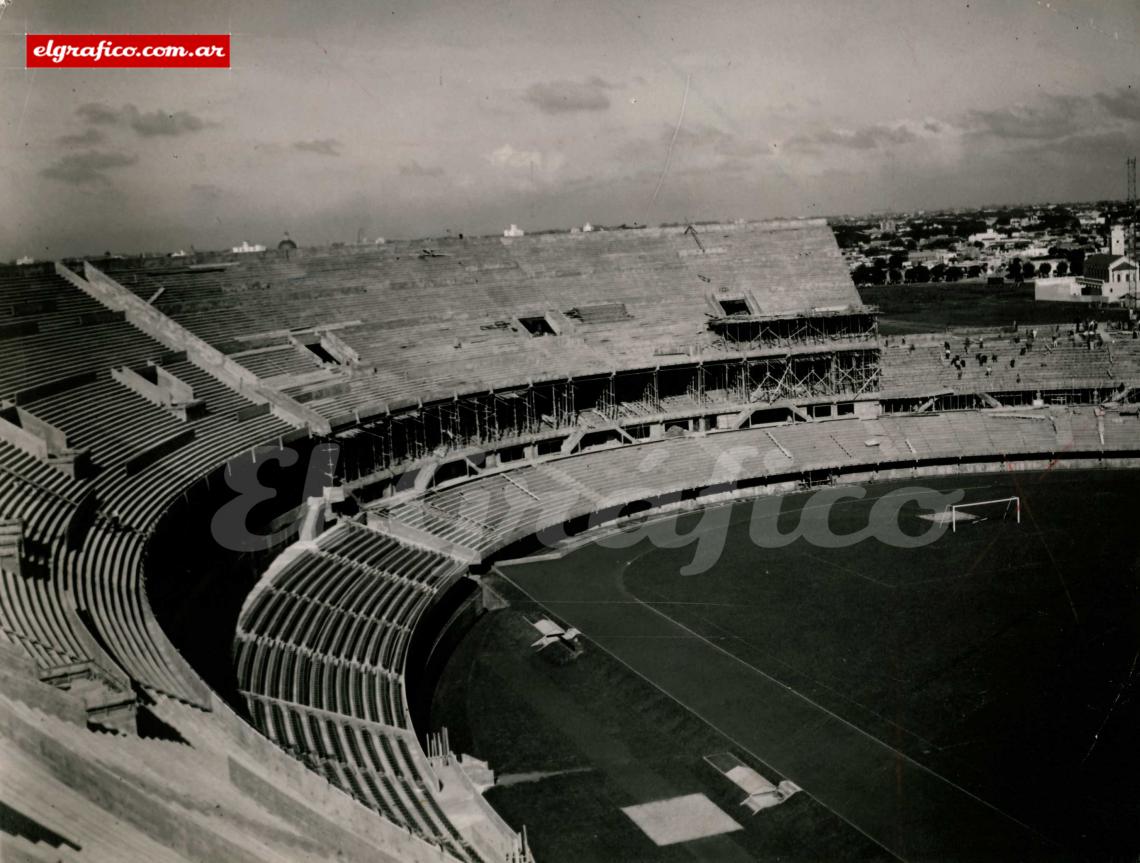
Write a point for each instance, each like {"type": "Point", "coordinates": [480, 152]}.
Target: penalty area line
{"type": "Point", "coordinates": [689, 709]}
{"type": "Point", "coordinates": [897, 753]}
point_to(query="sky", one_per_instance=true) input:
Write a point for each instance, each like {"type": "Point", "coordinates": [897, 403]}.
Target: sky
{"type": "Point", "coordinates": [414, 119]}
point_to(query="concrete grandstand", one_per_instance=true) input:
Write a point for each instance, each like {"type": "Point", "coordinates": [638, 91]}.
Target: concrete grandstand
{"type": "Point", "coordinates": [430, 407]}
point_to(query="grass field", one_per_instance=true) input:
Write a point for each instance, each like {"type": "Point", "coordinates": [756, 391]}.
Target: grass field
{"type": "Point", "coordinates": [926, 308]}
{"type": "Point", "coordinates": [572, 741]}
{"type": "Point", "coordinates": [973, 699]}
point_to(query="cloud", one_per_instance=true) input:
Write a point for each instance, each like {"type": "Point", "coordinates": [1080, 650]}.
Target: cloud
{"type": "Point", "coordinates": [719, 165]}
{"type": "Point", "coordinates": [563, 97]}
{"type": "Point", "coordinates": [524, 168]}
{"type": "Point", "coordinates": [162, 123]}
{"type": "Point", "coordinates": [145, 123]}
{"type": "Point", "coordinates": [87, 138]}
{"type": "Point", "coordinates": [1053, 117]}
{"type": "Point", "coordinates": [88, 167]}
{"type": "Point", "coordinates": [1124, 104]}
{"type": "Point", "coordinates": [320, 146]}
{"type": "Point", "coordinates": [98, 113]}
{"type": "Point", "coordinates": [415, 169]}
{"type": "Point", "coordinates": [507, 156]}
{"type": "Point", "coordinates": [866, 138]}
{"type": "Point", "coordinates": [207, 191]}
{"type": "Point", "coordinates": [1093, 147]}
{"type": "Point", "coordinates": [717, 140]}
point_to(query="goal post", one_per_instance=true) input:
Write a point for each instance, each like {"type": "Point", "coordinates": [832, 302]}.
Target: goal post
{"type": "Point", "coordinates": [1006, 505]}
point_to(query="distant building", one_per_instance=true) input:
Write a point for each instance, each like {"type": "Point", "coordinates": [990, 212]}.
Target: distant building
{"type": "Point", "coordinates": [514, 231]}
{"type": "Point", "coordinates": [179, 254]}
{"type": "Point", "coordinates": [245, 248]}
{"type": "Point", "coordinates": [1111, 277]}
{"type": "Point", "coordinates": [939, 241]}
{"type": "Point", "coordinates": [586, 228]}
{"type": "Point", "coordinates": [1116, 240]}
{"type": "Point", "coordinates": [25, 260]}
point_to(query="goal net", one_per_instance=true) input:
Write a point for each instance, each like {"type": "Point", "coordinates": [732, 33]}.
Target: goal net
{"type": "Point", "coordinates": [973, 512]}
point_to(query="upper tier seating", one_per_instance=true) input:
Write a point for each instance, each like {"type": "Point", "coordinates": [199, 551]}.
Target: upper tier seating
{"type": "Point", "coordinates": [72, 333]}
{"type": "Point", "coordinates": [430, 318]}
{"type": "Point", "coordinates": [106, 418]}
{"type": "Point", "coordinates": [56, 354]}
{"type": "Point", "coordinates": [34, 616]}
{"type": "Point", "coordinates": [33, 491]}
{"type": "Point", "coordinates": [108, 569]}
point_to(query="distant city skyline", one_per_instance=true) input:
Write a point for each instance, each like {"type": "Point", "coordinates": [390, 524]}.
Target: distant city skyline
{"type": "Point", "coordinates": [414, 119]}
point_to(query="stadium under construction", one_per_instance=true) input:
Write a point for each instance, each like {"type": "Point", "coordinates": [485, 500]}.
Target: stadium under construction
{"type": "Point", "coordinates": [262, 517]}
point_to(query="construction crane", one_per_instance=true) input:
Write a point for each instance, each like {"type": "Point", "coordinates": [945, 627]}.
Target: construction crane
{"type": "Point", "coordinates": [1130, 208]}
{"type": "Point", "coordinates": [1130, 238]}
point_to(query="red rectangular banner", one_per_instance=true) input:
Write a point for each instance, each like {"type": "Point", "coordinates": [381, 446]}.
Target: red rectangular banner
{"type": "Point", "coordinates": [127, 50]}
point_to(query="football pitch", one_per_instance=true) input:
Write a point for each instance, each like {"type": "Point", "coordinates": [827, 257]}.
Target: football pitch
{"type": "Point", "coordinates": [969, 699]}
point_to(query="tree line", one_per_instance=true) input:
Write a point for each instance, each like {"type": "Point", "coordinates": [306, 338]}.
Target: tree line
{"type": "Point", "coordinates": [890, 271]}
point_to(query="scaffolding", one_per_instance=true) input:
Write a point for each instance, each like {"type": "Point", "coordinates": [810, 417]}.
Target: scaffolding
{"type": "Point", "coordinates": [757, 332]}
{"type": "Point", "coordinates": [525, 415]}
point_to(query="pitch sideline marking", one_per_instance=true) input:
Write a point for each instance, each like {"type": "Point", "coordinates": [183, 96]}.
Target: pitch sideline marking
{"type": "Point", "coordinates": [797, 694]}
{"type": "Point", "coordinates": [833, 715]}
{"type": "Point", "coordinates": [720, 731]}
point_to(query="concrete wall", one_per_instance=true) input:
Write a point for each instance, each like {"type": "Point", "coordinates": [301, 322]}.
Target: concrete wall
{"type": "Point", "coordinates": [119, 799]}
{"type": "Point", "coordinates": [393, 844]}
{"type": "Point", "coordinates": [165, 391]}
{"type": "Point", "coordinates": [31, 434]}
{"type": "Point", "coordinates": [1059, 289]}
{"type": "Point", "coordinates": [20, 681]}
